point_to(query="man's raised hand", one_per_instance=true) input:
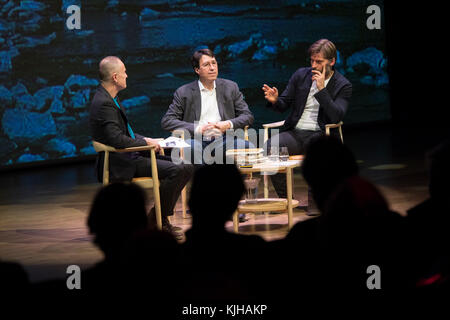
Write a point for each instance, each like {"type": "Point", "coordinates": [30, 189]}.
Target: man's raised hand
{"type": "Point", "coordinates": [271, 94]}
{"type": "Point", "coordinates": [319, 77]}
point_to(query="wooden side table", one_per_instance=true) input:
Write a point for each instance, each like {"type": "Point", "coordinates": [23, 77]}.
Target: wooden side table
{"type": "Point", "coordinates": [270, 204]}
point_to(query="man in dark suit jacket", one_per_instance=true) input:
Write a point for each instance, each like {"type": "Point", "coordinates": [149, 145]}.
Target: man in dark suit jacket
{"type": "Point", "coordinates": [208, 107]}
{"type": "Point", "coordinates": [109, 125]}
{"type": "Point", "coordinates": [317, 96]}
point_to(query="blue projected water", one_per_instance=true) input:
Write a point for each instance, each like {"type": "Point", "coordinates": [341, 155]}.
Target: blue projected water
{"type": "Point", "coordinates": [48, 73]}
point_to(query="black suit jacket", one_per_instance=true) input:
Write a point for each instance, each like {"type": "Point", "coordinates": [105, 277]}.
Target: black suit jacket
{"type": "Point", "coordinates": [333, 99]}
{"type": "Point", "coordinates": [108, 125]}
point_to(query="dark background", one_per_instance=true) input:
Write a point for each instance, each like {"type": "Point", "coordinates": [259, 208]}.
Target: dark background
{"type": "Point", "coordinates": [416, 41]}
{"type": "Point", "coordinates": [48, 73]}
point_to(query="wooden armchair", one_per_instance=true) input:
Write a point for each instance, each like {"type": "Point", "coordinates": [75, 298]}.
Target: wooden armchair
{"type": "Point", "coordinates": [145, 182]}
{"type": "Point", "coordinates": [268, 126]}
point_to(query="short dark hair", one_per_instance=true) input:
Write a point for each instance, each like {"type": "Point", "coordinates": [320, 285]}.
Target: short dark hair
{"type": "Point", "coordinates": [324, 46]}
{"type": "Point", "coordinates": [195, 60]}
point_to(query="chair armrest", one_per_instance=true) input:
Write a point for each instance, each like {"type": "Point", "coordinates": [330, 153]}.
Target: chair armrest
{"type": "Point", "coordinates": [134, 149]}
{"type": "Point", "coordinates": [273, 124]}
{"type": "Point", "coordinates": [99, 147]}
{"type": "Point", "coordinates": [268, 126]}
{"type": "Point", "coordinates": [178, 133]}
{"type": "Point", "coordinates": [334, 125]}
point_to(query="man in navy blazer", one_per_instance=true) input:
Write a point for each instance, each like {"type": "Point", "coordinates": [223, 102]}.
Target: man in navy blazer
{"type": "Point", "coordinates": [316, 95]}
{"type": "Point", "coordinates": [109, 125]}
{"type": "Point", "coordinates": [208, 107]}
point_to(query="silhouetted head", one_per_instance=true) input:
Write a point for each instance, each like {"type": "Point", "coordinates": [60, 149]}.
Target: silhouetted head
{"type": "Point", "coordinates": [327, 162]}
{"type": "Point", "coordinates": [356, 210]}
{"type": "Point", "coordinates": [13, 277]}
{"type": "Point", "coordinates": [357, 230]}
{"type": "Point", "coordinates": [215, 194]}
{"type": "Point", "coordinates": [118, 210]}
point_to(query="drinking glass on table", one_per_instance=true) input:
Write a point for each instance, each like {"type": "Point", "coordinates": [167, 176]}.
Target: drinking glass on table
{"type": "Point", "coordinates": [284, 154]}
{"type": "Point", "coordinates": [252, 190]}
{"type": "Point", "coordinates": [273, 154]}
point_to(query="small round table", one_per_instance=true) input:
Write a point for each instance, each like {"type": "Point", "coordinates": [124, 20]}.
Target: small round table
{"type": "Point", "coordinates": [270, 204]}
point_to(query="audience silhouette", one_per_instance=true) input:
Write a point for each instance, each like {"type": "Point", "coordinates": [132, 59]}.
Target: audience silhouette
{"type": "Point", "coordinates": [321, 257]}
{"type": "Point", "coordinates": [13, 278]}
{"type": "Point", "coordinates": [428, 226]}
{"type": "Point", "coordinates": [355, 230]}
{"type": "Point", "coordinates": [327, 163]}
{"type": "Point", "coordinates": [117, 212]}
{"type": "Point", "coordinates": [135, 257]}
{"type": "Point", "coordinates": [358, 230]}
{"type": "Point", "coordinates": [222, 265]}
{"type": "Point", "coordinates": [139, 262]}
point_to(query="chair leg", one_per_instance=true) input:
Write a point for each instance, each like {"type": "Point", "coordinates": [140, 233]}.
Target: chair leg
{"type": "Point", "coordinates": [158, 212]}
{"type": "Point", "coordinates": [156, 189]}
{"type": "Point", "coordinates": [266, 186]}
{"type": "Point", "coordinates": [236, 221]}
{"type": "Point", "coordinates": [289, 197]}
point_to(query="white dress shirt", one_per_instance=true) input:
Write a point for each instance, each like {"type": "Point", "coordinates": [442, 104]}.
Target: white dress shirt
{"type": "Point", "coordinates": [210, 110]}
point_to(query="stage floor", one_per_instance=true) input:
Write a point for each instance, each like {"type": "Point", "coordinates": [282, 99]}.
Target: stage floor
{"type": "Point", "coordinates": [43, 211]}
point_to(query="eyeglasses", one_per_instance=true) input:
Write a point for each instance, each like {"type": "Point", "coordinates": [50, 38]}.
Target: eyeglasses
{"type": "Point", "coordinates": [209, 64]}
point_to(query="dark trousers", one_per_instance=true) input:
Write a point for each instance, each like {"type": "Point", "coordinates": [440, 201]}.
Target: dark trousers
{"type": "Point", "coordinates": [173, 178]}
{"type": "Point", "coordinates": [296, 141]}
{"type": "Point", "coordinates": [196, 151]}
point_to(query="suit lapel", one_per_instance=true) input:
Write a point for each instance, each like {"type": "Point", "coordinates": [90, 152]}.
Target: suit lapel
{"type": "Point", "coordinates": [304, 92]}
{"type": "Point", "coordinates": [332, 84]}
{"type": "Point", "coordinates": [196, 100]}
{"type": "Point", "coordinates": [122, 112]}
{"type": "Point", "coordinates": [219, 97]}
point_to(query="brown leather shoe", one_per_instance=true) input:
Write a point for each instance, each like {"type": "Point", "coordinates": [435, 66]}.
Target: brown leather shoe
{"type": "Point", "coordinates": [165, 221]}
{"type": "Point", "coordinates": [168, 227]}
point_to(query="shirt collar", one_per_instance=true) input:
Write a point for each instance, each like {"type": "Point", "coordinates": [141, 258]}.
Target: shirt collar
{"type": "Point", "coordinates": [202, 87]}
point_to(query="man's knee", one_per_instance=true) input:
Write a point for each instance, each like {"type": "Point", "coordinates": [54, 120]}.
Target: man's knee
{"type": "Point", "coordinates": [188, 170]}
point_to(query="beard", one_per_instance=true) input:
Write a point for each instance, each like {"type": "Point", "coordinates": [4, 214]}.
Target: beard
{"type": "Point", "coordinates": [327, 68]}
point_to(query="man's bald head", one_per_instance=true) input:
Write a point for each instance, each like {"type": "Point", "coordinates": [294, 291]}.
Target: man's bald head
{"type": "Point", "coordinates": [108, 66]}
